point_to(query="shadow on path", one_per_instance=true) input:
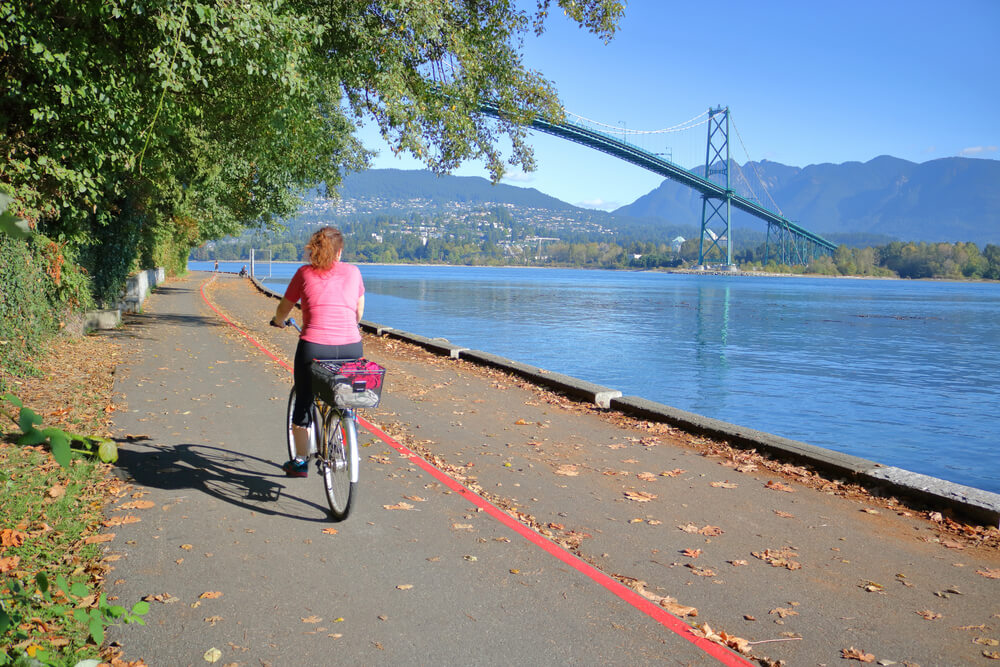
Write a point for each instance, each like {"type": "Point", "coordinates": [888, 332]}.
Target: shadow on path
{"type": "Point", "coordinates": [234, 477]}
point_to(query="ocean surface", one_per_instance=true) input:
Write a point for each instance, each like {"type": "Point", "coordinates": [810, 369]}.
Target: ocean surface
{"type": "Point", "coordinates": [906, 373]}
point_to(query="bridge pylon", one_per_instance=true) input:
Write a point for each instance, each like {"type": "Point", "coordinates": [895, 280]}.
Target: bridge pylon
{"type": "Point", "coordinates": [715, 209]}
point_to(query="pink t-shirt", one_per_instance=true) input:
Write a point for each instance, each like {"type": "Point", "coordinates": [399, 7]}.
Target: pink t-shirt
{"type": "Point", "coordinates": [329, 303]}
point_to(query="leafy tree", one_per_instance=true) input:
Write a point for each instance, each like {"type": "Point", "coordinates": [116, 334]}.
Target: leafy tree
{"type": "Point", "coordinates": [136, 130]}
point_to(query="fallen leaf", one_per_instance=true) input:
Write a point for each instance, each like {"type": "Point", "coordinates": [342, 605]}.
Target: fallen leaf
{"type": "Point", "coordinates": [783, 612]}
{"type": "Point", "coordinates": [568, 470]}
{"type": "Point", "coordinates": [57, 491]}
{"type": "Point", "coordinates": [330, 531]}
{"type": "Point", "coordinates": [868, 510]}
{"type": "Point", "coordinates": [210, 595]}
{"type": "Point", "coordinates": [416, 499]}
{"type": "Point", "coordinates": [856, 654]}
{"type": "Point", "coordinates": [399, 506]}
{"type": "Point", "coordinates": [691, 553]}
{"type": "Point", "coordinates": [784, 515]}
{"type": "Point", "coordinates": [521, 422]}
{"type": "Point", "coordinates": [312, 619]}
{"type": "Point", "coordinates": [780, 558]}
{"type": "Point", "coordinates": [164, 598]}
{"type": "Point", "coordinates": [212, 655]}
{"type": "Point", "coordinates": [665, 601]}
{"type": "Point", "coordinates": [120, 521]}
{"type": "Point", "coordinates": [187, 547]}
{"type": "Point", "coordinates": [992, 655]}
{"type": "Point", "coordinates": [138, 505]}
{"type": "Point", "coordinates": [212, 620]}
{"type": "Point", "coordinates": [989, 573]}
{"type": "Point", "coordinates": [630, 460]}
{"type": "Point", "coordinates": [778, 486]}
{"type": "Point", "coordinates": [99, 538]}
{"type": "Point", "coordinates": [672, 473]}
{"type": "Point", "coordinates": [8, 563]}
{"type": "Point", "coordinates": [737, 563]}
{"type": "Point", "coordinates": [12, 538]}
{"type": "Point", "coordinates": [872, 587]}
{"type": "Point", "coordinates": [985, 641]}
{"type": "Point", "coordinates": [646, 476]}
{"type": "Point", "coordinates": [700, 571]}
{"type": "Point", "coordinates": [724, 485]}
{"type": "Point", "coordinates": [640, 496]}
{"type": "Point", "coordinates": [711, 531]}
{"type": "Point", "coordinates": [404, 587]}
{"type": "Point", "coordinates": [929, 615]}
{"type": "Point", "coordinates": [469, 558]}
{"type": "Point", "coordinates": [738, 644]}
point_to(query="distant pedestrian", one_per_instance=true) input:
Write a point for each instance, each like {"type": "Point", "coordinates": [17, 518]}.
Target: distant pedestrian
{"type": "Point", "coordinates": [216, 266]}
{"type": "Point", "coordinates": [243, 271]}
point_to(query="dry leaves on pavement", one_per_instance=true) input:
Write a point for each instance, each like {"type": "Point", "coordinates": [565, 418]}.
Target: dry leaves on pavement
{"type": "Point", "coordinates": [399, 506]}
{"type": "Point", "coordinates": [856, 654]}
{"type": "Point", "coordinates": [779, 558]}
{"type": "Point", "coordinates": [778, 486]}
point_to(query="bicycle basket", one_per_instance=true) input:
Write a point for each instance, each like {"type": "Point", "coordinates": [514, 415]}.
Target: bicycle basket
{"type": "Point", "coordinates": [350, 383]}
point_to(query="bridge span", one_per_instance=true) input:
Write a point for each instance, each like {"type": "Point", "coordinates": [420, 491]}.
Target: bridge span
{"type": "Point", "coordinates": [792, 242]}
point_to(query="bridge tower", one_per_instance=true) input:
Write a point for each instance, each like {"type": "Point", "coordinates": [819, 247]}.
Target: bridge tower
{"type": "Point", "coordinates": [715, 210]}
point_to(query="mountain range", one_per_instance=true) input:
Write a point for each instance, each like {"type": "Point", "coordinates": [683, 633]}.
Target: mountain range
{"type": "Point", "coordinates": [949, 200]}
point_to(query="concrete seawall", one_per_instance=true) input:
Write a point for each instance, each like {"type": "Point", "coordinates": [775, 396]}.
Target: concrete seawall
{"type": "Point", "coordinates": [964, 501]}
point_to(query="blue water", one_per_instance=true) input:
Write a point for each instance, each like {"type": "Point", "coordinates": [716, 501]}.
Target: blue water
{"type": "Point", "coordinates": [902, 372]}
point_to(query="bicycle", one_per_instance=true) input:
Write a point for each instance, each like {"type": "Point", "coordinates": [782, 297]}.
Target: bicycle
{"type": "Point", "coordinates": [333, 430]}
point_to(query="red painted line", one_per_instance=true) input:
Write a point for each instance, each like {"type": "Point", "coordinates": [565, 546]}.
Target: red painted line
{"type": "Point", "coordinates": [623, 592]}
{"type": "Point", "coordinates": [241, 331]}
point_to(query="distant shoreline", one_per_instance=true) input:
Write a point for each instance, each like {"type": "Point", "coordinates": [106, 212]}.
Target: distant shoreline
{"type": "Point", "coordinates": [693, 272]}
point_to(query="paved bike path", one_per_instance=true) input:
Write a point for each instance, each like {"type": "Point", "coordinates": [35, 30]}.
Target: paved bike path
{"type": "Point", "coordinates": [240, 559]}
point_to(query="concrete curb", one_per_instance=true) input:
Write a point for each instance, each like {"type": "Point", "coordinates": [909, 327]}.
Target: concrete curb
{"type": "Point", "coordinates": [880, 479]}
{"type": "Point", "coordinates": [964, 501]}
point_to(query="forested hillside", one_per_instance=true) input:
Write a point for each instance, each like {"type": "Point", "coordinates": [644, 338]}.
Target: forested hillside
{"type": "Point", "coordinates": [951, 199]}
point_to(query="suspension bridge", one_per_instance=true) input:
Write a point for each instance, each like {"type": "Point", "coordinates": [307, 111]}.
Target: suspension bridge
{"type": "Point", "coordinates": [790, 242]}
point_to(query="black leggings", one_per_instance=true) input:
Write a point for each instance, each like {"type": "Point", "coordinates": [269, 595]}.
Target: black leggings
{"type": "Point", "coordinates": [304, 355]}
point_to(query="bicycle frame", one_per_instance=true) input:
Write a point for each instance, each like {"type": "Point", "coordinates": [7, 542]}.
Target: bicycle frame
{"type": "Point", "coordinates": [348, 421]}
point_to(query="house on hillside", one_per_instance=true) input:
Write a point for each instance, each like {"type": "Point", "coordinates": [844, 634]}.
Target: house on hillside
{"type": "Point", "coordinates": [676, 243]}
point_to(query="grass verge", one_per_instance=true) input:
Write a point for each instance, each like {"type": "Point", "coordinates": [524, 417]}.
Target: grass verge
{"type": "Point", "coordinates": [51, 517]}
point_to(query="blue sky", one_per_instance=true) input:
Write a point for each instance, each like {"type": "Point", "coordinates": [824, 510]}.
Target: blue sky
{"type": "Point", "coordinates": [806, 83]}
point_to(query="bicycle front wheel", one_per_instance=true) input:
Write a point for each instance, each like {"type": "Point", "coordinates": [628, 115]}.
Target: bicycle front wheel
{"type": "Point", "coordinates": [337, 463]}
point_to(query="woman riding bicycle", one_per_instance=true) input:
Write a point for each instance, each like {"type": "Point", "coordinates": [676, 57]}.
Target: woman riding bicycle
{"type": "Point", "coordinates": [333, 301]}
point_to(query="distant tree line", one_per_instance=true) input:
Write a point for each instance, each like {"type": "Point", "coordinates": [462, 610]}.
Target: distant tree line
{"type": "Point", "coordinates": [500, 239]}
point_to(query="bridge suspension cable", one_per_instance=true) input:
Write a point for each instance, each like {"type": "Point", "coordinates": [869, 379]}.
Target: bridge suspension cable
{"type": "Point", "coordinates": [680, 127]}
{"type": "Point", "coordinates": [760, 180]}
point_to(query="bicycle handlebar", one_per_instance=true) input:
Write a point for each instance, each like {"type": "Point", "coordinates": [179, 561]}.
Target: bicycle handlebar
{"type": "Point", "coordinates": [290, 321]}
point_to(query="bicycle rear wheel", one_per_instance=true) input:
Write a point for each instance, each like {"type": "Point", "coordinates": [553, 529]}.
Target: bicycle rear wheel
{"type": "Point", "coordinates": [336, 463]}
{"type": "Point", "coordinates": [289, 438]}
